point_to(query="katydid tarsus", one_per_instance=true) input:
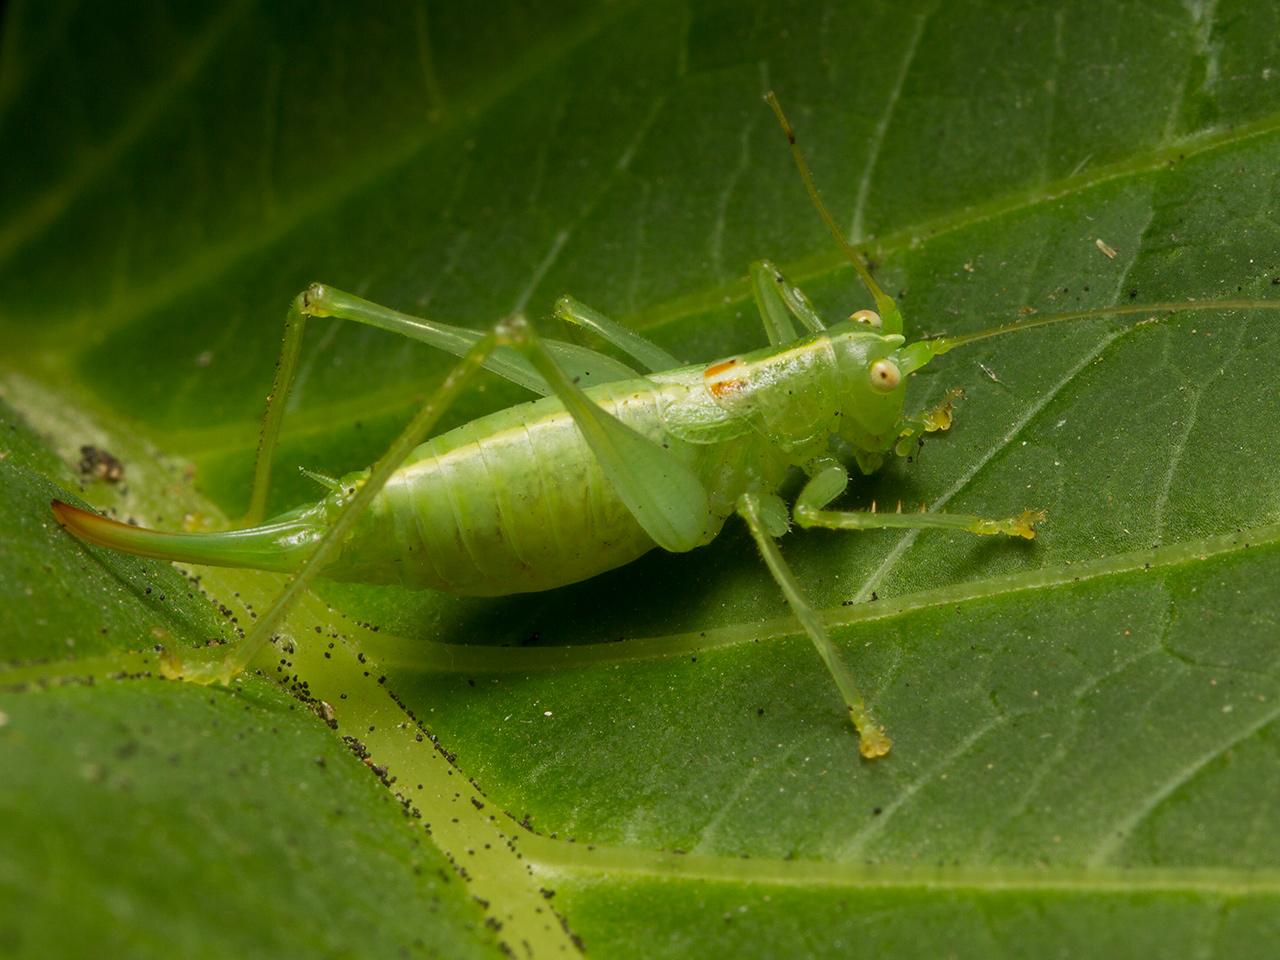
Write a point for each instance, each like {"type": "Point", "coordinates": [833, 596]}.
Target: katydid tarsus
{"type": "Point", "coordinates": [609, 464]}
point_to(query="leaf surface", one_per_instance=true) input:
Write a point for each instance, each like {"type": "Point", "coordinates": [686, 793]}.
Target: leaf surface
{"type": "Point", "coordinates": [1085, 726]}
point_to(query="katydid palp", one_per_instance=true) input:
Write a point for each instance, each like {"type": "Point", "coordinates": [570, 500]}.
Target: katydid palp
{"type": "Point", "coordinates": [609, 464]}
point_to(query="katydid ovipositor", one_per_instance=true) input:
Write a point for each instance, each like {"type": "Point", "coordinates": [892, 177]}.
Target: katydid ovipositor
{"type": "Point", "coordinates": [584, 480]}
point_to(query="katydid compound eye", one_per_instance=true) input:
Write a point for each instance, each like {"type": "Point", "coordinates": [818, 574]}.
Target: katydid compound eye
{"type": "Point", "coordinates": [868, 317]}
{"type": "Point", "coordinates": [885, 375]}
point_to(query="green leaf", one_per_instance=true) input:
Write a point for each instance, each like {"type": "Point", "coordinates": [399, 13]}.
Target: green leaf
{"type": "Point", "coordinates": [1085, 726]}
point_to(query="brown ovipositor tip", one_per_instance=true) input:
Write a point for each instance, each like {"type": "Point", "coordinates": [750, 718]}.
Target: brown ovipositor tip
{"type": "Point", "coordinates": [86, 524]}
{"type": "Point", "coordinates": [65, 512]}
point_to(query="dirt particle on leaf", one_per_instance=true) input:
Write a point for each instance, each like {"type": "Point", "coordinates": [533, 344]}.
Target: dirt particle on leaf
{"type": "Point", "coordinates": [100, 465]}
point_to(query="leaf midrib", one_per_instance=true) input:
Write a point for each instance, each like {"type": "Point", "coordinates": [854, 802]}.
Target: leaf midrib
{"type": "Point", "coordinates": [472, 660]}
{"type": "Point", "coordinates": [558, 858]}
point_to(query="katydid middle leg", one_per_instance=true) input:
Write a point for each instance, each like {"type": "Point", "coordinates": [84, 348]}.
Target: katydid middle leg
{"type": "Point", "coordinates": [778, 302]}
{"type": "Point", "coordinates": [652, 356]}
{"type": "Point", "coordinates": [768, 281]}
{"type": "Point", "coordinates": [766, 518]}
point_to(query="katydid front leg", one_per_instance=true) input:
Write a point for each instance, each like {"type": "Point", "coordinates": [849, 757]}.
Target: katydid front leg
{"type": "Point", "coordinates": [937, 417]}
{"type": "Point", "coordinates": [830, 480]}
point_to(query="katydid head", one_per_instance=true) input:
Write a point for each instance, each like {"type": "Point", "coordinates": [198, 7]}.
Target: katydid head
{"type": "Point", "coordinates": [875, 363]}
{"type": "Point", "coordinates": [873, 367]}
{"type": "Point", "coordinates": [872, 382]}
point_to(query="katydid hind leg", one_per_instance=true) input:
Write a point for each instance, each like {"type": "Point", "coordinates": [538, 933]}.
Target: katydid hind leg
{"type": "Point", "coordinates": [322, 300]}
{"type": "Point", "coordinates": [269, 434]}
{"type": "Point", "coordinates": [765, 517]}
{"type": "Point", "coordinates": [240, 655]}
{"type": "Point", "coordinates": [589, 366]}
{"type": "Point", "coordinates": [663, 494]}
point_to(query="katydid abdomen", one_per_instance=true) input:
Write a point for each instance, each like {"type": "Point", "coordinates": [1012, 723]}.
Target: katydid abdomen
{"type": "Point", "coordinates": [517, 502]}
{"type": "Point", "coordinates": [512, 502]}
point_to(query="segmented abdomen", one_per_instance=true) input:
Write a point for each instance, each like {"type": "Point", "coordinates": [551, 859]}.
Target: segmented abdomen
{"type": "Point", "coordinates": [509, 503]}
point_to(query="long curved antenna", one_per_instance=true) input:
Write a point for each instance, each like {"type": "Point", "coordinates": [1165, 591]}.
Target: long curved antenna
{"type": "Point", "coordinates": [915, 355]}
{"type": "Point", "coordinates": [884, 303]}
{"type": "Point", "coordinates": [942, 344]}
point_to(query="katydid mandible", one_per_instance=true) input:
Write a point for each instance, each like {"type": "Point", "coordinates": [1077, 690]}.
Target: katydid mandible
{"type": "Point", "coordinates": [609, 464]}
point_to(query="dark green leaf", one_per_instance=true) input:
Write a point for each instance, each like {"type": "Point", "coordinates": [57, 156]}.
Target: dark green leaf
{"type": "Point", "coordinates": [1086, 725]}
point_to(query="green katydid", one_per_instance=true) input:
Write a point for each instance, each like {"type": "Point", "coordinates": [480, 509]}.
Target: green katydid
{"type": "Point", "coordinates": [584, 480]}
